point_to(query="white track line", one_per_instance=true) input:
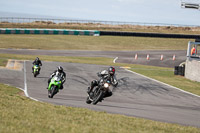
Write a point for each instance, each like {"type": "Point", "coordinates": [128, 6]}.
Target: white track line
{"type": "Point", "coordinates": [15, 87]}
{"type": "Point", "coordinates": [25, 84]}
{"type": "Point", "coordinates": [115, 59]}
{"type": "Point", "coordinates": [162, 83]}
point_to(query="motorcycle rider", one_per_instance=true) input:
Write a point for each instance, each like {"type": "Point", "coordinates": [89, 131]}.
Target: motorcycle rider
{"type": "Point", "coordinates": [105, 74]}
{"type": "Point", "coordinates": [38, 62]}
{"type": "Point", "coordinates": [59, 72]}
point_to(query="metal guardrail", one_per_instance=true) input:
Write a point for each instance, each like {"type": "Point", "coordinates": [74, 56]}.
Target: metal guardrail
{"type": "Point", "coordinates": [56, 21]}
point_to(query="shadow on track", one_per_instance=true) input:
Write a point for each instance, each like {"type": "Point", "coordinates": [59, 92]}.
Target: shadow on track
{"type": "Point", "coordinates": [43, 77]}
{"type": "Point", "coordinates": [70, 98]}
{"type": "Point", "coordinates": [114, 106]}
{"type": "Point", "coordinates": [126, 84]}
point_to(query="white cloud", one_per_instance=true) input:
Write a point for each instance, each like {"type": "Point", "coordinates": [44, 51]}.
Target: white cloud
{"type": "Point", "coordinates": [115, 7]}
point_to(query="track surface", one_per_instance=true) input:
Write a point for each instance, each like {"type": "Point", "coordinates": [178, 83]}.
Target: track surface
{"type": "Point", "coordinates": [135, 96]}
{"type": "Point", "coordinates": [123, 56]}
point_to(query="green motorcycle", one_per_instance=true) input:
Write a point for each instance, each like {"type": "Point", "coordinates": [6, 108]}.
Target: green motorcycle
{"type": "Point", "coordinates": [36, 69]}
{"type": "Point", "coordinates": [54, 86]}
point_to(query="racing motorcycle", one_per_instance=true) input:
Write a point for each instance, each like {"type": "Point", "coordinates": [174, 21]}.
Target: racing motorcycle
{"type": "Point", "coordinates": [54, 86]}
{"type": "Point", "coordinates": [99, 91]}
{"type": "Point", "coordinates": [36, 70]}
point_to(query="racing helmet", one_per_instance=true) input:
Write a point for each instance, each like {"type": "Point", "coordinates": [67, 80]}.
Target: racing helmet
{"type": "Point", "coordinates": [111, 70]}
{"type": "Point", "coordinates": [37, 59]}
{"type": "Point", "coordinates": [60, 69]}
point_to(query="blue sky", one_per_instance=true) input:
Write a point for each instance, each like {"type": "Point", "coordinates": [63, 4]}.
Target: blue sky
{"type": "Point", "coordinates": [148, 11]}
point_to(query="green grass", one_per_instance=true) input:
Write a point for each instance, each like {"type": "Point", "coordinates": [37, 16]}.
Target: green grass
{"type": "Point", "coordinates": [166, 75]}
{"type": "Point", "coordinates": [87, 60]}
{"type": "Point", "coordinates": [20, 114]}
{"type": "Point", "coordinates": [3, 61]}
{"type": "Point", "coordinates": [108, 43]}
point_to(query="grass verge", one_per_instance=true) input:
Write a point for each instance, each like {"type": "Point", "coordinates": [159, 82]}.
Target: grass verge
{"type": "Point", "coordinates": [3, 61]}
{"type": "Point", "coordinates": [20, 114]}
{"type": "Point", "coordinates": [87, 60]}
{"type": "Point", "coordinates": [105, 43]}
{"type": "Point", "coordinates": [166, 75]}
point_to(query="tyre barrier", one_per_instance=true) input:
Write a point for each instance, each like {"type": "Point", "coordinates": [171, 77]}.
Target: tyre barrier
{"type": "Point", "coordinates": [49, 31]}
{"type": "Point", "coordinates": [179, 70]}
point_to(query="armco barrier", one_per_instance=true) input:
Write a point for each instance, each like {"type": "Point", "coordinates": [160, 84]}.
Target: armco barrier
{"type": "Point", "coordinates": [49, 31]}
{"type": "Point", "coordinates": [139, 34]}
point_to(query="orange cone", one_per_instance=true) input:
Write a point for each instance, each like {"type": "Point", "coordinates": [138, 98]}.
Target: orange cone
{"type": "Point", "coordinates": [148, 57]}
{"type": "Point", "coordinates": [161, 57]}
{"type": "Point", "coordinates": [136, 56]}
{"type": "Point", "coordinates": [174, 57]}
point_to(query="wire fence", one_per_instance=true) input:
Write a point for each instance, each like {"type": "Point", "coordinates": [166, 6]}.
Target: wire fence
{"type": "Point", "coordinates": [63, 21]}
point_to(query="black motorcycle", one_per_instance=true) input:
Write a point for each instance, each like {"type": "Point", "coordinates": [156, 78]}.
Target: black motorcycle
{"type": "Point", "coordinates": [99, 92]}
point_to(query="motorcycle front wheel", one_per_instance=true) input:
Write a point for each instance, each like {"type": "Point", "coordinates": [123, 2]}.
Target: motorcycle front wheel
{"type": "Point", "coordinates": [98, 95]}
{"type": "Point", "coordinates": [88, 101]}
{"type": "Point", "coordinates": [35, 74]}
{"type": "Point", "coordinates": [52, 91]}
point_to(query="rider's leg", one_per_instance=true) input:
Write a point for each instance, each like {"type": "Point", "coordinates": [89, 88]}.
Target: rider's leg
{"type": "Point", "coordinates": [48, 82]}
{"type": "Point", "coordinates": [93, 84]}
{"type": "Point", "coordinates": [108, 94]}
{"type": "Point", "coordinates": [61, 86]}
{"type": "Point", "coordinates": [39, 69]}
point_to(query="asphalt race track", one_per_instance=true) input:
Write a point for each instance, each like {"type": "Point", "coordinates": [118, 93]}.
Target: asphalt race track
{"type": "Point", "coordinates": [135, 95]}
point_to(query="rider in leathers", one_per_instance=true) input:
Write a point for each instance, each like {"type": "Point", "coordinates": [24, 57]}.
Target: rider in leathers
{"type": "Point", "coordinates": [105, 74]}
{"type": "Point", "coordinates": [38, 62]}
{"type": "Point", "coordinates": [59, 72]}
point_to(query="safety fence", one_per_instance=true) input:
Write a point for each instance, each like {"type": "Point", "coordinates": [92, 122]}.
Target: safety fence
{"type": "Point", "coordinates": [40, 21]}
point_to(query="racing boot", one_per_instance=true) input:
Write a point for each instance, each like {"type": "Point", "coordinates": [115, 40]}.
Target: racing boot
{"type": "Point", "coordinates": [39, 71]}
{"type": "Point", "coordinates": [90, 93]}
{"type": "Point", "coordinates": [108, 94]}
{"type": "Point", "coordinates": [88, 90]}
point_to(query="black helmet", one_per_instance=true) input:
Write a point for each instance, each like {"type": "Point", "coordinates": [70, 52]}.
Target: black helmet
{"type": "Point", "coordinates": [60, 69]}
{"type": "Point", "coordinates": [111, 70]}
{"type": "Point", "coordinates": [37, 58]}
